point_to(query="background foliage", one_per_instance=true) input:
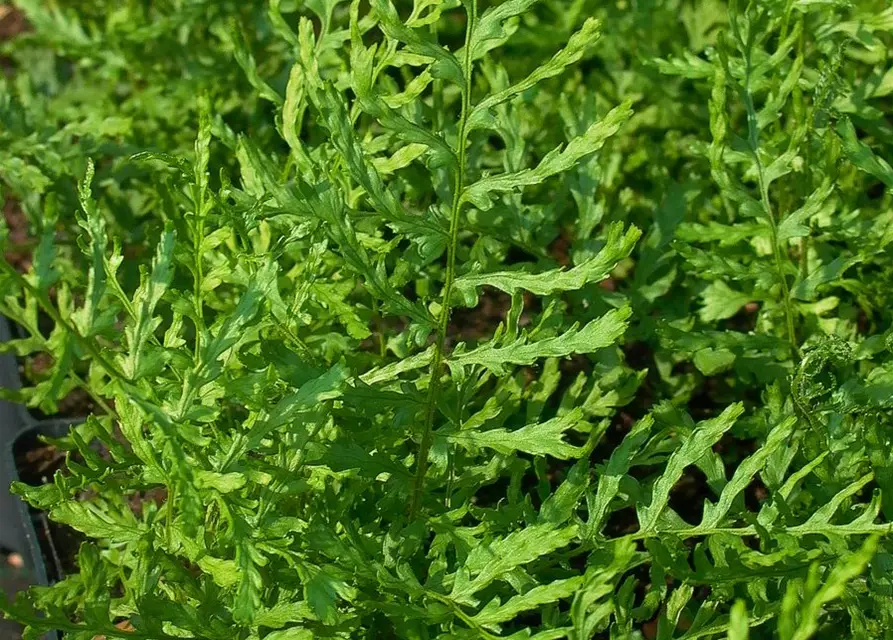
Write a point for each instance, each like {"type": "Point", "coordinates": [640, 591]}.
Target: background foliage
{"type": "Point", "coordinates": [556, 319]}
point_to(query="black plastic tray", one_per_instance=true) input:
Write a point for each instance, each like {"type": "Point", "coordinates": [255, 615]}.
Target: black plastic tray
{"type": "Point", "coordinates": [17, 530]}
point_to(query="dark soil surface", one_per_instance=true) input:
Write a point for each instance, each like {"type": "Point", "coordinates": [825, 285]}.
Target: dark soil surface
{"type": "Point", "coordinates": [478, 323]}
{"type": "Point", "coordinates": [17, 254]}
{"type": "Point", "coordinates": [12, 22]}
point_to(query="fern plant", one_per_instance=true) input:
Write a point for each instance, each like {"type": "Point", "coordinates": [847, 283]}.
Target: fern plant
{"type": "Point", "coordinates": [302, 431]}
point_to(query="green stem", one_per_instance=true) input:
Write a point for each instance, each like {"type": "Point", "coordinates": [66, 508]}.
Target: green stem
{"type": "Point", "coordinates": [198, 233]}
{"type": "Point", "coordinates": [464, 617]}
{"type": "Point", "coordinates": [296, 341]}
{"type": "Point", "coordinates": [753, 141]}
{"type": "Point", "coordinates": [269, 494]}
{"type": "Point", "coordinates": [379, 324]}
{"type": "Point", "coordinates": [102, 404]}
{"type": "Point", "coordinates": [776, 251]}
{"type": "Point", "coordinates": [169, 513]}
{"type": "Point", "coordinates": [418, 484]}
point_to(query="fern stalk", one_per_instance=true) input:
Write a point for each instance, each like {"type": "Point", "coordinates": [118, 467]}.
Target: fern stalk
{"type": "Point", "coordinates": [776, 251]}
{"type": "Point", "coordinates": [418, 484]}
{"type": "Point", "coordinates": [753, 142]}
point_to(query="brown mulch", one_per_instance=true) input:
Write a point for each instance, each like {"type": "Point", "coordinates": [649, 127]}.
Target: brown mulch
{"type": "Point", "coordinates": [12, 22]}
{"type": "Point", "coordinates": [17, 254]}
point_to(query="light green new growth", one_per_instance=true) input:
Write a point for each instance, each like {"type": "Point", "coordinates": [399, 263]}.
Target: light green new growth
{"type": "Point", "coordinates": [453, 319]}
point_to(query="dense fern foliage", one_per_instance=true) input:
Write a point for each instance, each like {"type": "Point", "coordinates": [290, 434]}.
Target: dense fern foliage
{"type": "Point", "coordinates": [458, 319]}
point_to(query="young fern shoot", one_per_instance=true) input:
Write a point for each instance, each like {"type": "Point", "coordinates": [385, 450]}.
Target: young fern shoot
{"type": "Point", "coordinates": [437, 368]}
{"type": "Point", "coordinates": [441, 229]}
